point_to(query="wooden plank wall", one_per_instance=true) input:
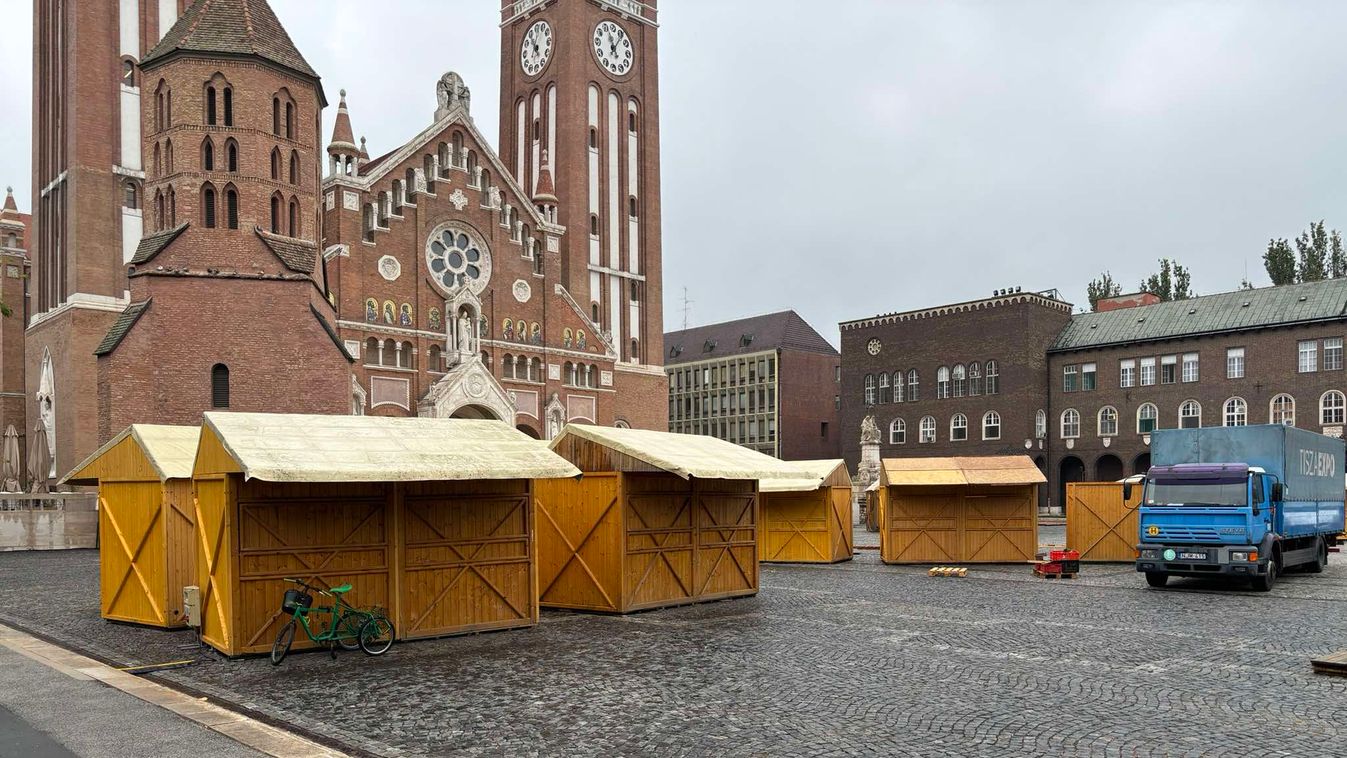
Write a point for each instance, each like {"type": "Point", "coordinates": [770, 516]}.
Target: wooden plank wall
{"type": "Point", "coordinates": [580, 542]}
{"type": "Point", "coordinates": [959, 524]}
{"type": "Point", "coordinates": [843, 538]}
{"type": "Point", "coordinates": [806, 527]}
{"type": "Point", "coordinates": [726, 564]}
{"type": "Point", "coordinates": [1099, 523]}
{"type": "Point", "coordinates": [132, 562]}
{"type": "Point", "coordinates": [179, 544]}
{"type": "Point", "coordinates": [216, 563]}
{"type": "Point", "coordinates": [659, 545]}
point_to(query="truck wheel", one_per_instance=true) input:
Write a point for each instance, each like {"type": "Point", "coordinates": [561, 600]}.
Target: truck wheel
{"type": "Point", "coordinates": [1320, 559]}
{"type": "Point", "coordinates": [1264, 583]}
{"type": "Point", "coordinates": [1157, 578]}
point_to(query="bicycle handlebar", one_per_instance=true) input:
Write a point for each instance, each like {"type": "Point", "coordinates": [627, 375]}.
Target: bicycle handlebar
{"type": "Point", "coordinates": [307, 586]}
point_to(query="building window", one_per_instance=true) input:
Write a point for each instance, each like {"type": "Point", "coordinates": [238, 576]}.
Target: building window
{"type": "Point", "coordinates": [1331, 407]}
{"type": "Point", "coordinates": [1070, 378]}
{"type": "Point", "coordinates": [1127, 373]}
{"type": "Point", "coordinates": [1070, 424]}
{"type": "Point", "coordinates": [958, 428]}
{"type": "Point", "coordinates": [898, 387]}
{"type": "Point", "coordinates": [130, 197]}
{"type": "Point", "coordinates": [942, 383]}
{"type": "Point", "coordinates": [1108, 421]}
{"type": "Point", "coordinates": [960, 383]}
{"type": "Point", "coordinates": [869, 389]}
{"type": "Point", "coordinates": [1190, 415]}
{"type": "Point", "coordinates": [926, 433]}
{"type": "Point", "coordinates": [276, 116]}
{"type": "Point", "coordinates": [974, 379]}
{"type": "Point", "coordinates": [1189, 367]}
{"type": "Point", "coordinates": [991, 425]}
{"type": "Point", "coordinates": [1168, 369]}
{"type": "Point", "coordinates": [1236, 412]}
{"type": "Point", "coordinates": [1283, 410]}
{"type": "Point", "coordinates": [837, 402]}
{"type": "Point", "coordinates": [993, 378]}
{"type": "Point", "coordinates": [276, 203]}
{"type": "Point", "coordinates": [1234, 363]}
{"type": "Point", "coordinates": [1087, 377]}
{"type": "Point", "coordinates": [898, 432]}
{"type": "Point", "coordinates": [208, 207]}
{"type": "Point", "coordinates": [1308, 361]}
{"type": "Point", "coordinates": [294, 167]}
{"type": "Point", "coordinates": [294, 217]}
{"type": "Point", "coordinates": [231, 207]}
{"type": "Point", "coordinates": [1333, 354]}
{"type": "Point", "coordinates": [219, 386]}
{"type": "Point", "coordinates": [231, 156]}
{"type": "Point", "coordinates": [1147, 414]}
{"type": "Point", "coordinates": [1040, 425]}
{"type": "Point", "coordinates": [208, 155]}
{"type": "Point", "coordinates": [289, 121]}
{"type": "Point", "coordinates": [276, 164]}
{"type": "Point", "coordinates": [210, 106]}
{"type": "Point", "coordinates": [883, 388]}
{"type": "Point", "coordinates": [912, 386]}
{"type": "Point", "coordinates": [1147, 372]}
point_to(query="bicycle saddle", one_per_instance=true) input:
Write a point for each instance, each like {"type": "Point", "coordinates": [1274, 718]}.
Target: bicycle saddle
{"type": "Point", "coordinates": [340, 590]}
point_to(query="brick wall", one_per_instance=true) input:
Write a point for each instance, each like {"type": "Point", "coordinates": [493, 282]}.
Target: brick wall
{"type": "Point", "coordinates": [807, 385]}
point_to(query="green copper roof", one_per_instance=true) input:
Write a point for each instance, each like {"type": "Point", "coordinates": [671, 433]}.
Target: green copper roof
{"type": "Point", "coordinates": [1226, 312]}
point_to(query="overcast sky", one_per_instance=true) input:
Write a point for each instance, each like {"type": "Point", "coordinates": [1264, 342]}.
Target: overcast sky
{"type": "Point", "coordinates": [863, 156]}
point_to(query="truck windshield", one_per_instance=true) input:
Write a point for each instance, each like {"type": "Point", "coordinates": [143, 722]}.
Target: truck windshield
{"type": "Point", "coordinates": [1197, 493]}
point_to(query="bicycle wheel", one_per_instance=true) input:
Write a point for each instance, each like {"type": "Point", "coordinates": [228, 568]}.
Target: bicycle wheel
{"type": "Point", "coordinates": [281, 646]}
{"type": "Point", "coordinates": [376, 636]}
{"type": "Point", "coordinates": [348, 629]}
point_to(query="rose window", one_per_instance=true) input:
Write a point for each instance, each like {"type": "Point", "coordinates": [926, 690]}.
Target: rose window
{"type": "Point", "coordinates": [456, 258]}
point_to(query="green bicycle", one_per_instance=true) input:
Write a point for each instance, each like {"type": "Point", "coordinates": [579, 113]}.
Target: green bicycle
{"type": "Point", "coordinates": [351, 628]}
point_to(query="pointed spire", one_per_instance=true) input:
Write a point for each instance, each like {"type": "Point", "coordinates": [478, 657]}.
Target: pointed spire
{"type": "Point", "coordinates": [342, 134]}
{"type": "Point", "coordinates": [364, 154]}
{"type": "Point", "coordinates": [546, 193]}
{"type": "Point", "coordinates": [10, 205]}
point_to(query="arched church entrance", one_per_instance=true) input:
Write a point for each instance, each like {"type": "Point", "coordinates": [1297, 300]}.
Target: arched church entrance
{"type": "Point", "coordinates": [475, 411]}
{"type": "Point", "coordinates": [530, 431]}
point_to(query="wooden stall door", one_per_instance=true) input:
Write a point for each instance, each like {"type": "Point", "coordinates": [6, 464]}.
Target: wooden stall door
{"type": "Point", "coordinates": [726, 562]}
{"type": "Point", "coordinates": [180, 543]}
{"type": "Point", "coordinates": [467, 558]}
{"type": "Point", "coordinates": [1099, 523]}
{"type": "Point", "coordinates": [796, 527]}
{"type": "Point", "coordinates": [921, 525]}
{"type": "Point", "coordinates": [132, 567]}
{"type": "Point", "coordinates": [841, 526]}
{"type": "Point", "coordinates": [214, 561]}
{"type": "Point", "coordinates": [658, 551]}
{"type": "Point", "coordinates": [579, 542]}
{"type": "Point", "coordinates": [322, 533]}
{"type": "Point", "coordinates": [1000, 525]}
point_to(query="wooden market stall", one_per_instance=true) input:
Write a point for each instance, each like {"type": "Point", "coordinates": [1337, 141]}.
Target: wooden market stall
{"type": "Point", "coordinates": [147, 549]}
{"type": "Point", "coordinates": [806, 520]}
{"type": "Point", "coordinates": [431, 519]}
{"type": "Point", "coordinates": [658, 519]}
{"type": "Point", "coordinates": [1099, 523]}
{"type": "Point", "coordinates": [959, 510]}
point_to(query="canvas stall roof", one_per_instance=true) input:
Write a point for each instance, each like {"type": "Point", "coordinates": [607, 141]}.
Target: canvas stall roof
{"type": "Point", "coordinates": [980, 470]}
{"type": "Point", "coordinates": [171, 450]}
{"type": "Point", "coordinates": [685, 455]}
{"type": "Point", "coordinates": [283, 447]}
{"type": "Point", "coordinates": [812, 475]}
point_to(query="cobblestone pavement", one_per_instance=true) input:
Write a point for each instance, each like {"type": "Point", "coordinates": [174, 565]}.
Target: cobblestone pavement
{"type": "Point", "coordinates": [851, 659]}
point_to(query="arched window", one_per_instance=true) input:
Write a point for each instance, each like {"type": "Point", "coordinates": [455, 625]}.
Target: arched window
{"type": "Point", "coordinates": [536, 370]}
{"type": "Point", "coordinates": [991, 425]}
{"type": "Point", "coordinates": [168, 156]}
{"type": "Point", "coordinates": [912, 386]}
{"type": "Point", "coordinates": [632, 207]}
{"type": "Point", "coordinates": [276, 116]}
{"type": "Point", "coordinates": [407, 356]}
{"type": "Point", "coordinates": [289, 120]}
{"type": "Point", "coordinates": [208, 206]}
{"type": "Point", "coordinates": [1331, 407]}
{"type": "Point", "coordinates": [593, 138]}
{"type": "Point", "coordinates": [429, 170]}
{"type": "Point", "coordinates": [538, 262]}
{"type": "Point", "coordinates": [219, 386]}
{"type": "Point", "coordinates": [569, 373]}
{"type": "Point", "coordinates": [210, 106]}
{"type": "Point", "coordinates": [1147, 416]}
{"type": "Point", "coordinates": [1236, 412]}
{"type": "Point", "coordinates": [635, 350]}
{"type": "Point", "coordinates": [410, 186]}
{"type": "Point", "coordinates": [594, 312]}
{"type": "Point", "coordinates": [388, 351]}
{"type": "Point", "coordinates": [172, 208]}
{"type": "Point", "coordinates": [208, 155]}
{"type": "Point", "coordinates": [1190, 414]}
{"type": "Point", "coordinates": [459, 156]}
{"type": "Point", "coordinates": [294, 167]}
{"type": "Point", "coordinates": [372, 348]}
{"type": "Point", "coordinates": [486, 188]}
{"type": "Point", "coordinates": [974, 379]}
{"type": "Point", "coordinates": [294, 217]}
{"type": "Point", "coordinates": [160, 216]}
{"type": "Point", "coordinates": [993, 378]}
{"type": "Point", "coordinates": [368, 223]}
{"type": "Point", "coordinates": [593, 224]}
{"type": "Point", "coordinates": [130, 196]}
{"type": "Point", "coordinates": [941, 383]}
{"type": "Point", "coordinates": [899, 390]}
{"type": "Point", "coordinates": [397, 197]}
{"type": "Point", "coordinates": [472, 166]}
{"type": "Point", "coordinates": [883, 387]}
{"type": "Point", "coordinates": [958, 428]}
{"type": "Point", "coordinates": [1282, 410]}
{"type": "Point", "coordinates": [277, 202]}
{"type": "Point", "coordinates": [926, 430]}
{"type": "Point", "coordinates": [276, 164]}
{"type": "Point", "coordinates": [1040, 425]}
{"type": "Point", "coordinates": [231, 156]}
{"type": "Point", "coordinates": [869, 389]}
{"type": "Point", "coordinates": [228, 106]}
{"type": "Point", "coordinates": [128, 73]}
{"type": "Point", "coordinates": [158, 160]}
{"type": "Point", "coordinates": [1108, 421]}
{"type": "Point", "coordinates": [960, 381]}
{"type": "Point", "coordinates": [446, 159]}
{"type": "Point", "coordinates": [897, 432]}
{"type": "Point", "coordinates": [384, 208]}
{"type": "Point", "coordinates": [1070, 424]}
{"type": "Point", "coordinates": [161, 106]}
{"type": "Point", "coordinates": [231, 207]}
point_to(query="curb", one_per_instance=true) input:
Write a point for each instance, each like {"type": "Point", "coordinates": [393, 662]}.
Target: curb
{"type": "Point", "coordinates": [246, 731]}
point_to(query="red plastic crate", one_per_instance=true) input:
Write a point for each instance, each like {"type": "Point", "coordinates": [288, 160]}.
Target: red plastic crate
{"type": "Point", "coordinates": [1064, 555]}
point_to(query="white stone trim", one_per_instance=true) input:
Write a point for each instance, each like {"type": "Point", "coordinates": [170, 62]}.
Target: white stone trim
{"type": "Point", "coordinates": [84, 301]}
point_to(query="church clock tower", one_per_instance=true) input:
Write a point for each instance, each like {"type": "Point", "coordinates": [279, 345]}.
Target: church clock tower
{"type": "Point", "coordinates": [580, 120]}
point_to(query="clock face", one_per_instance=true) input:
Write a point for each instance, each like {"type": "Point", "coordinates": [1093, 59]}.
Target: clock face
{"type": "Point", "coordinates": [873, 346]}
{"type": "Point", "coordinates": [537, 48]}
{"type": "Point", "coordinates": [613, 48]}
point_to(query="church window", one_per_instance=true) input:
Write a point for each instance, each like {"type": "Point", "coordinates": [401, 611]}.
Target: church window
{"type": "Point", "coordinates": [636, 350]}
{"type": "Point", "coordinates": [993, 378]}
{"type": "Point", "coordinates": [397, 196]}
{"type": "Point", "coordinates": [898, 388]}
{"type": "Point", "coordinates": [486, 189]}
{"type": "Point", "coordinates": [537, 128]}
{"type": "Point", "coordinates": [161, 106]}
{"type": "Point", "coordinates": [276, 164]}
{"type": "Point", "coordinates": [219, 386]}
{"type": "Point", "coordinates": [974, 379]}
{"type": "Point", "coordinates": [446, 158]}
{"type": "Point", "coordinates": [129, 199]}
{"type": "Point", "coordinates": [231, 207]}
{"type": "Point", "coordinates": [276, 116]}
{"type": "Point", "coordinates": [294, 217]}
{"type": "Point", "coordinates": [942, 383]}
{"type": "Point", "coordinates": [128, 73]}
{"type": "Point", "coordinates": [536, 370]}
{"type": "Point", "coordinates": [231, 156]}
{"type": "Point", "coordinates": [631, 207]}
{"type": "Point", "coordinates": [410, 186]}
{"type": "Point", "coordinates": [168, 156]}
{"type": "Point", "coordinates": [172, 208]}
{"type": "Point", "coordinates": [458, 155]}
{"type": "Point", "coordinates": [158, 210]}
{"type": "Point", "coordinates": [429, 170]}
{"type": "Point", "coordinates": [472, 167]}
{"type": "Point", "coordinates": [635, 292]}
{"type": "Point", "coordinates": [593, 138]}
{"type": "Point", "coordinates": [158, 160]}
{"type": "Point", "coordinates": [208, 155]}
{"type": "Point", "coordinates": [208, 206]}
{"type": "Point", "coordinates": [594, 312]}
{"type": "Point", "coordinates": [228, 95]}
{"type": "Point", "coordinates": [369, 223]}
{"type": "Point", "coordinates": [210, 106]}
{"type": "Point", "coordinates": [276, 202]}
{"type": "Point", "coordinates": [594, 224]}
{"type": "Point", "coordinates": [433, 358]}
{"type": "Point", "coordinates": [537, 258]}
{"type": "Point", "coordinates": [289, 120]}
{"type": "Point", "coordinates": [456, 257]}
{"type": "Point", "coordinates": [960, 383]}
{"type": "Point", "coordinates": [294, 167]}
{"type": "Point", "coordinates": [631, 121]}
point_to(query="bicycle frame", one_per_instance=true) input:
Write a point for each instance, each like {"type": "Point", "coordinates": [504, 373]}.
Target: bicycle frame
{"type": "Point", "coordinates": [334, 614]}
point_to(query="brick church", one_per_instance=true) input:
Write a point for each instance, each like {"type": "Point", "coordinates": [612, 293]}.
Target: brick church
{"type": "Point", "coordinates": [196, 245]}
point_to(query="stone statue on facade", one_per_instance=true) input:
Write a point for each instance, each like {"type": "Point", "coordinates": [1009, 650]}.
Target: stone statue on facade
{"type": "Point", "coordinates": [451, 93]}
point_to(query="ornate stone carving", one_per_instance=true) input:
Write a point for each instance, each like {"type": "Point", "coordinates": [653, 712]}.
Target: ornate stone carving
{"type": "Point", "coordinates": [451, 94]}
{"type": "Point", "coordinates": [459, 199]}
{"type": "Point", "coordinates": [468, 384]}
{"type": "Point", "coordinates": [389, 268]}
{"type": "Point", "coordinates": [522, 291]}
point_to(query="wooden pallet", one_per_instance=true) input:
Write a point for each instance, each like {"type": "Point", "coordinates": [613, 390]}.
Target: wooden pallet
{"type": "Point", "coordinates": [1053, 575]}
{"type": "Point", "coordinates": [1334, 665]}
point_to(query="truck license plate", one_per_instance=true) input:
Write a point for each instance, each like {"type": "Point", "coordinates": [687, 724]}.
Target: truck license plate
{"type": "Point", "coordinates": [1192, 556]}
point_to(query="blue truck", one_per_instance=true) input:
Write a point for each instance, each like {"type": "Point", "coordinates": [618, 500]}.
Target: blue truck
{"type": "Point", "coordinates": [1242, 501]}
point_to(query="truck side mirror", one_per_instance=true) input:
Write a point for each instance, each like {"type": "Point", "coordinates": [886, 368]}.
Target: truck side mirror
{"type": "Point", "coordinates": [1127, 492]}
{"type": "Point", "coordinates": [1278, 491]}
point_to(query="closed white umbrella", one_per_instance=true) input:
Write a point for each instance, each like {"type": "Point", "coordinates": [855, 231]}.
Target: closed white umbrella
{"type": "Point", "coordinates": [39, 460]}
{"type": "Point", "coordinates": [9, 469]}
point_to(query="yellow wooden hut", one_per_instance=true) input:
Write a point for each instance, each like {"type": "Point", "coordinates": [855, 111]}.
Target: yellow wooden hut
{"type": "Point", "coordinates": [432, 519]}
{"type": "Point", "coordinates": [147, 551]}
{"type": "Point", "coordinates": [806, 520]}
{"type": "Point", "coordinates": [959, 510]}
{"type": "Point", "coordinates": [1100, 523]}
{"type": "Point", "coordinates": [658, 519]}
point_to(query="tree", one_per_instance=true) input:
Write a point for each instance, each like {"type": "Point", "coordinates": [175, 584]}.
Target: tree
{"type": "Point", "coordinates": [1337, 262]}
{"type": "Point", "coordinates": [1102, 288]}
{"type": "Point", "coordinates": [1312, 251]}
{"type": "Point", "coordinates": [1280, 262]}
{"type": "Point", "coordinates": [1171, 282]}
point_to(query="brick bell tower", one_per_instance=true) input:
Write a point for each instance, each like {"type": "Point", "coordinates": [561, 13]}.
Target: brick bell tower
{"type": "Point", "coordinates": [580, 100]}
